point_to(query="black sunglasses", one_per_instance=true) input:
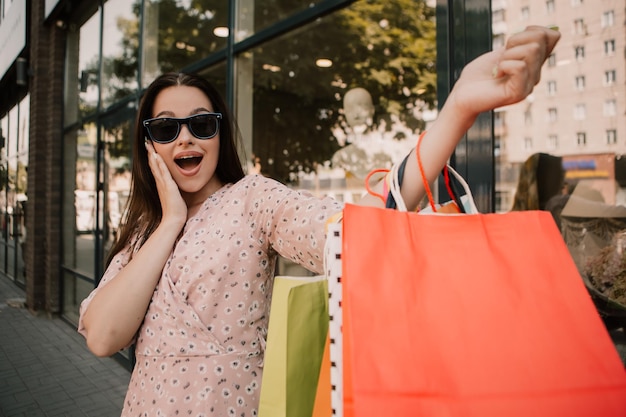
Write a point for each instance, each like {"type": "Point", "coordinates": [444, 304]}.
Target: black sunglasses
{"type": "Point", "coordinates": [166, 129]}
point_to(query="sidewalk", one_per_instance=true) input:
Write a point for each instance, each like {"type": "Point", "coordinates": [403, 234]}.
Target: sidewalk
{"type": "Point", "coordinates": [46, 369]}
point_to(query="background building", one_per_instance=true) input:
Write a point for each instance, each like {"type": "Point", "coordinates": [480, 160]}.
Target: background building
{"type": "Point", "coordinates": [578, 111]}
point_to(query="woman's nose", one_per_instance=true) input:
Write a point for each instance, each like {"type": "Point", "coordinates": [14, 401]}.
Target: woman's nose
{"type": "Point", "coordinates": [185, 134]}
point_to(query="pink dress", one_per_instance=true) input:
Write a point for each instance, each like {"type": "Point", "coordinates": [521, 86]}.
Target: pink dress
{"type": "Point", "coordinates": [200, 348]}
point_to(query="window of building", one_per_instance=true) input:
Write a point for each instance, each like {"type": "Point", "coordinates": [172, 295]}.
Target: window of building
{"type": "Point", "coordinates": [553, 142]}
{"type": "Point", "coordinates": [581, 138]}
{"type": "Point", "coordinates": [609, 47]}
{"type": "Point", "coordinates": [579, 27]}
{"type": "Point", "coordinates": [611, 136]}
{"type": "Point", "coordinates": [610, 77]}
{"type": "Point", "coordinates": [551, 87]}
{"type": "Point", "coordinates": [549, 6]}
{"type": "Point", "coordinates": [528, 117]}
{"type": "Point", "coordinates": [580, 82]}
{"type": "Point", "coordinates": [580, 111]}
{"type": "Point", "coordinates": [608, 18]}
{"type": "Point", "coordinates": [552, 115]}
{"type": "Point", "coordinates": [498, 41]}
{"type": "Point", "coordinates": [577, 3]}
{"type": "Point", "coordinates": [525, 13]}
{"type": "Point", "coordinates": [610, 108]}
{"type": "Point", "coordinates": [528, 143]}
{"type": "Point", "coordinates": [579, 52]}
{"type": "Point", "coordinates": [552, 60]}
{"type": "Point", "coordinates": [498, 16]}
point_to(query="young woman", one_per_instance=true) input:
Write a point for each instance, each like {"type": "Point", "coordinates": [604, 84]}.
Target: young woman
{"type": "Point", "coordinates": [191, 273]}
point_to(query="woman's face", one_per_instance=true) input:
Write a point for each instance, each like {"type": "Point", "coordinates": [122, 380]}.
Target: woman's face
{"type": "Point", "coordinates": [191, 161]}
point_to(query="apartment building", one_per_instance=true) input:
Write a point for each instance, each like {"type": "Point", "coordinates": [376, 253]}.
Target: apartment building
{"type": "Point", "coordinates": [578, 110]}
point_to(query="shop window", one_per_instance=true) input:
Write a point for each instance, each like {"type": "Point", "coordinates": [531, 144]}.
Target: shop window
{"type": "Point", "coordinates": [88, 66]}
{"type": "Point", "coordinates": [303, 94]}
{"type": "Point", "coordinates": [120, 33]}
{"type": "Point", "coordinates": [179, 33]}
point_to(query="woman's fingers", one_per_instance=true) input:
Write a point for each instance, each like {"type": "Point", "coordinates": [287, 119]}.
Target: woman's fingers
{"type": "Point", "coordinates": [547, 38]}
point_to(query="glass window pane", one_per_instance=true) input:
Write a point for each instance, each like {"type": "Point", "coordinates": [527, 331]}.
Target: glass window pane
{"type": "Point", "coordinates": [4, 130]}
{"type": "Point", "coordinates": [117, 134]}
{"type": "Point", "coordinates": [178, 33]}
{"type": "Point", "coordinates": [19, 211]}
{"type": "Point", "coordinates": [294, 89]}
{"type": "Point", "coordinates": [80, 200]}
{"type": "Point", "coordinates": [88, 65]}
{"type": "Point", "coordinates": [253, 16]}
{"type": "Point", "coordinates": [120, 46]}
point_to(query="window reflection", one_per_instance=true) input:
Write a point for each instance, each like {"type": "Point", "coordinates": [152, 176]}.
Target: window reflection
{"type": "Point", "coordinates": [120, 43]}
{"type": "Point", "coordinates": [300, 82]}
{"type": "Point", "coordinates": [178, 33]}
{"type": "Point", "coordinates": [117, 137]}
{"type": "Point", "coordinates": [81, 258]}
{"type": "Point", "coordinates": [88, 63]}
{"type": "Point", "coordinates": [253, 16]}
{"type": "Point", "coordinates": [13, 193]}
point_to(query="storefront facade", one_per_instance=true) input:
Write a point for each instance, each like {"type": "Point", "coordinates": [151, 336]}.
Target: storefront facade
{"type": "Point", "coordinates": [74, 73]}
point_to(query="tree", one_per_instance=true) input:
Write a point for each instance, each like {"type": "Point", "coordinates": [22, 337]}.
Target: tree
{"type": "Point", "coordinates": [386, 47]}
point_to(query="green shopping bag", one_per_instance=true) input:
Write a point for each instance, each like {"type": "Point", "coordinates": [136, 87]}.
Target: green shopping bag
{"type": "Point", "coordinates": [296, 338]}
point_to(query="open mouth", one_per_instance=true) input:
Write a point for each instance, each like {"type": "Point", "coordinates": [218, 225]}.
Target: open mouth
{"type": "Point", "coordinates": [188, 162]}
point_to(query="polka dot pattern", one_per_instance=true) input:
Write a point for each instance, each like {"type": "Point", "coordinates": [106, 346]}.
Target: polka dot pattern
{"type": "Point", "coordinates": [200, 348]}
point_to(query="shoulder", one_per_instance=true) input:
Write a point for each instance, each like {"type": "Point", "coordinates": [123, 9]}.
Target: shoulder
{"type": "Point", "coordinates": [256, 183]}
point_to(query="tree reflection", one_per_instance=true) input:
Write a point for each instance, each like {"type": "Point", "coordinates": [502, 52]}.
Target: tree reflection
{"type": "Point", "coordinates": [387, 48]}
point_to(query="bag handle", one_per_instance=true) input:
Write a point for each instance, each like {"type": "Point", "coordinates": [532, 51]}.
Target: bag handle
{"type": "Point", "coordinates": [458, 176]}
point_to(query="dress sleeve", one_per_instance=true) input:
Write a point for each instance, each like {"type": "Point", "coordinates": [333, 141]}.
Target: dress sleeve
{"type": "Point", "coordinates": [294, 222]}
{"type": "Point", "coordinates": [119, 261]}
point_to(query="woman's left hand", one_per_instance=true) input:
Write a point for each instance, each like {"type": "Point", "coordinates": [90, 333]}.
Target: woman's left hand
{"type": "Point", "coordinates": [504, 76]}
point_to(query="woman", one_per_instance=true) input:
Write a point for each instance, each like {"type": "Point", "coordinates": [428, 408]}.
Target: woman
{"type": "Point", "coordinates": [190, 277]}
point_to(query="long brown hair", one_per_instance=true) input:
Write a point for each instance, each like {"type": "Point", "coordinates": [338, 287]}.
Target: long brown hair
{"type": "Point", "coordinates": [143, 211]}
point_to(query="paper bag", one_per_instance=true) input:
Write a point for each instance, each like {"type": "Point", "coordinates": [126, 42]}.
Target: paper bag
{"type": "Point", "coordinates": [296, 338]}
{"type": "Point", "coordinates": [478, 315]}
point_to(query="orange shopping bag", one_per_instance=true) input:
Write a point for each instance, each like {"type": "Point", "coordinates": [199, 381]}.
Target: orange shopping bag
{"type": "Point", "coordinates": [472, 315]}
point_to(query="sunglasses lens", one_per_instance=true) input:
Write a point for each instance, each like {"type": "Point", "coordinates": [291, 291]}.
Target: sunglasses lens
{"type": "Point", "coordinates": [204, 126]}
{"type": "Point", "coordinates": [164, 130]}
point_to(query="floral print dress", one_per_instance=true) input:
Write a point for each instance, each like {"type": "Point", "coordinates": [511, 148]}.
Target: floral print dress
{"type": "Point", "coordinates": [200, 348]}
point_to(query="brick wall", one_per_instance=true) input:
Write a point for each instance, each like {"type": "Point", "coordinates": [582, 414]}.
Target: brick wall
{"type": "Point", "coordinates": [43, 218]}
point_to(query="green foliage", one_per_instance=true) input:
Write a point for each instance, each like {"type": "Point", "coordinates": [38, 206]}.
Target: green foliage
{"type": "Point", "coordinates": [385, 47]}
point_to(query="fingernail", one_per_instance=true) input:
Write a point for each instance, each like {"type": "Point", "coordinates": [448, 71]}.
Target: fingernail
{"type": "Point", "coordinates": [553, 27]}
{"type": "Point", "coordinates": [494, 71]}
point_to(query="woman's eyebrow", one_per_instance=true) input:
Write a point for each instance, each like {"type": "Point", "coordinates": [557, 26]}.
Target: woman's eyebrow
{"type": "Point", "coordinates": [194, 111]}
